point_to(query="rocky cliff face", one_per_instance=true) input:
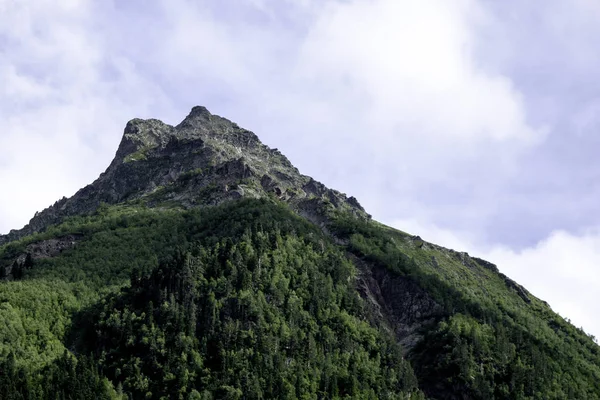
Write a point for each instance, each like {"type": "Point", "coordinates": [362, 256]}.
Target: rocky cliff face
{"type": "Point", "coordinates": [204, 160]}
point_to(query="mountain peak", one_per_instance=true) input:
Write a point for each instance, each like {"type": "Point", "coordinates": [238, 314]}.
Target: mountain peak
{"type": "Point", "coordinates": [197, 117]}
{"type": "Point", "coordinates": [199, 112]}
{"type": "Point", "coordinates": [204, 160]}
{"type": "Point", "coordinates": [141, 135]}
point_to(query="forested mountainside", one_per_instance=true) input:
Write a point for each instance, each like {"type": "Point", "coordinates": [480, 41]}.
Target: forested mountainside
{"type": "Point", "coordinates": [203, 265]}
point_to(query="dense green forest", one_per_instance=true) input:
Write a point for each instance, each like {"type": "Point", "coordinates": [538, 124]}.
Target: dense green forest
{"type": "Point", "coordinates": [253, 303]}
{"type": "Point", "coordinates": [490, 342]}
{"type": "Point", "coordinates": [247, 300]}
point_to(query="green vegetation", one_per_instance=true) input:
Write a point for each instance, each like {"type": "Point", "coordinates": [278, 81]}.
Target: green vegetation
{"type": "Point", "coordinates": [139, 155]}
{"type": "Point", "coordinates": [490, 342]}
{"type": "Point", "coordinates": [247, 300]}
{"type": "Point", "coordinates": [255, 303]}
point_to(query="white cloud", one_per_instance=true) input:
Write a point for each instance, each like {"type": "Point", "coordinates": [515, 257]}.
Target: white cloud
{"type": "Point", "coordinates": [412, 63]}
{"type": "Point", "coordinates": [563, 269]}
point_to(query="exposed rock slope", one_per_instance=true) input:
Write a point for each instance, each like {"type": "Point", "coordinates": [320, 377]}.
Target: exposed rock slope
{"type": "Point", "coordinates": [204, 160]}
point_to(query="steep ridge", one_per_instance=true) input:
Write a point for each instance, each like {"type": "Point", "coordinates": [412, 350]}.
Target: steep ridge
{"type": "Point", "coordinates": [202, 264]}
{"type": "Point", "coordinates": [204, 160]}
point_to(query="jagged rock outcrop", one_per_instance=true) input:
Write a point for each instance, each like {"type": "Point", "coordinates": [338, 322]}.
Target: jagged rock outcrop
{"type": "Point", "coordinates": [204, 160]}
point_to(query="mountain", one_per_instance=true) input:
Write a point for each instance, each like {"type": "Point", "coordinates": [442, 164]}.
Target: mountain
{"type": "Point", "coordinates": [204, 160]}
{"type": "Point", "coordinates": [202, 265]}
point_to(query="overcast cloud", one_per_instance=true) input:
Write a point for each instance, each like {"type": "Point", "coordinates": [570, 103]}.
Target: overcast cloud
{"type": "Point", "coordinates": [471, 123]}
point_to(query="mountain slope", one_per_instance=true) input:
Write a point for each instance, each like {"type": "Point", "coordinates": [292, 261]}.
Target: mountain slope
{"type": "Point", "coordinates": [204, 160]}
{"type": "Point", "coordinates": [202, 264]}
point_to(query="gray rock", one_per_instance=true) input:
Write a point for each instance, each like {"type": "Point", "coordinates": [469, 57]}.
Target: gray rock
{"type": "Point", "coordinates": [204, 160]}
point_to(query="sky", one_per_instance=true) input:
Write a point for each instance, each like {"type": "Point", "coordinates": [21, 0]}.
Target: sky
{"type": "Point", "coordinates": [473, 124]}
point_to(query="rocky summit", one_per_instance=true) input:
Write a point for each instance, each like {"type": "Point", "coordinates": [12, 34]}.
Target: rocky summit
{"type": "Point", "coordinates": [203, 265]}
{"type": "Point", "coordinates": [204, 160]}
